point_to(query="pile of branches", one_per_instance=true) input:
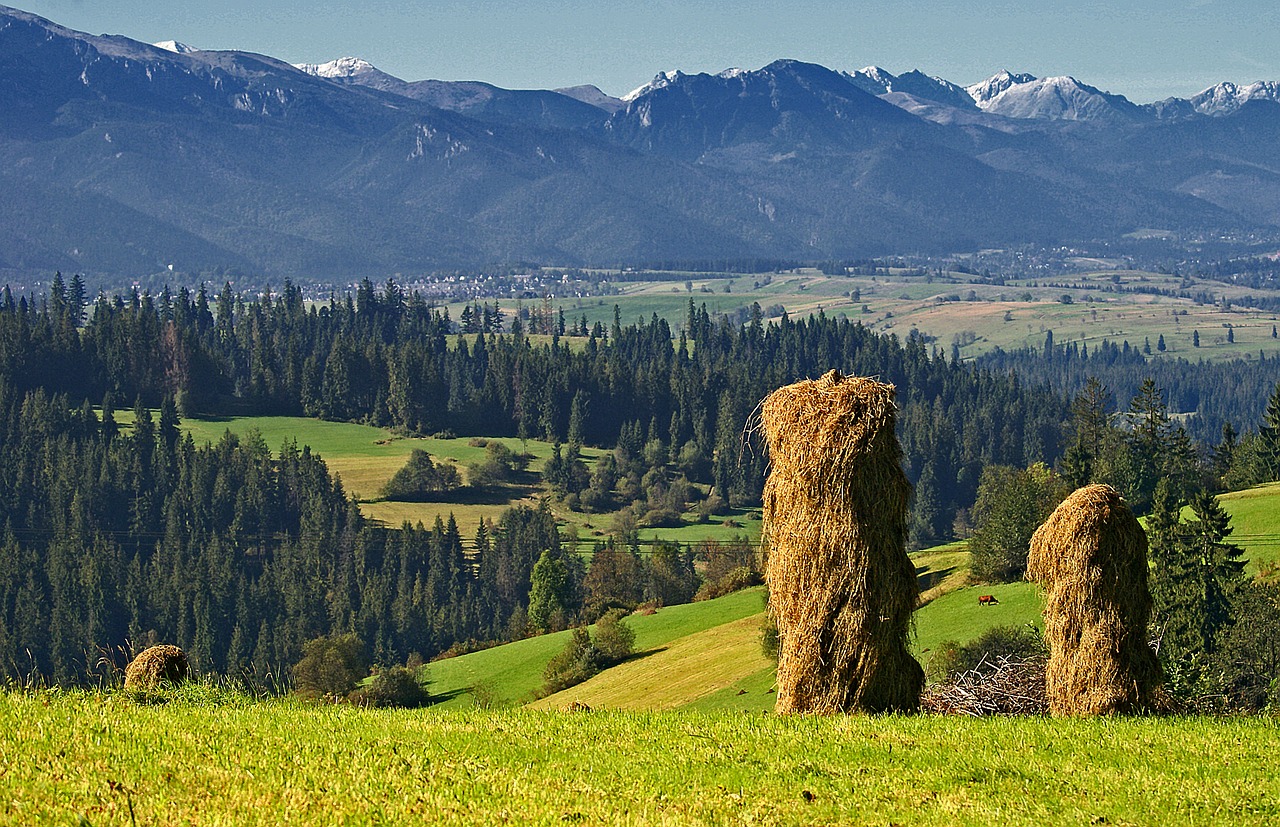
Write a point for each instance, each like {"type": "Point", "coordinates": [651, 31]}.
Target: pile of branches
{"type": "Point", "coordinates": [1000, 685]}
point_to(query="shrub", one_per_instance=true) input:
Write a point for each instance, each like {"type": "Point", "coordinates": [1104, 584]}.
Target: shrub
{"type": "Point", "coordinates": [420, 478]}
{"type": "Point", "coordinates": [742, 577]}
{"type": "Point", "coordinates": [952, 658]}
{"type": "Point", "coordinates": [330, 666]}
{"type": "Point", "coordinates": [398, 686]}
{"type": "Point", "coordinates": [614, 640]}
{"type": "Point", "coordinates": [575, 663]}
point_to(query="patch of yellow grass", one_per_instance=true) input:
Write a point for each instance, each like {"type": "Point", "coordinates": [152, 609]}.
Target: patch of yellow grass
{"type": "Point", "coordinates": [675, 675]}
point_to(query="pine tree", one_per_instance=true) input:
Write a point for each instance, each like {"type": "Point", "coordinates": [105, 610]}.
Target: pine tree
{"type": "Point", "coordinates": [1269, 436]}
{"type": "Point", "coordinates": [1220, 566]}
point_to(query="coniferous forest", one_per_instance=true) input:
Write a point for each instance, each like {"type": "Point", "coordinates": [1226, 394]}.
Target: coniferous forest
{"type": "Point", "coordinates": [243, 551]}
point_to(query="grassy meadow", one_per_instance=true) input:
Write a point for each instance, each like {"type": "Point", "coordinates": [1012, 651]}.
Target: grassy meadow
{"type": "Point", "coordinates": [1255, 518]}
{"type": "Point", "coordinates": [511, 673]}
{"type": "Point", "coordinates": [208, 758]}
{"type": "Point", "coordinates": [366, 457]}
{"type": "Point", "coordinates": [980, 317]}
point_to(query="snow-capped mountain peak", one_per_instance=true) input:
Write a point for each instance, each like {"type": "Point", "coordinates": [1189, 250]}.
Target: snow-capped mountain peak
{"type": "Point", "coordinates": [875, 78]}
{"type": "Point", "coordinates": [343, 67]}
{"type": "Point", "coordinates": [662, 79]}
{"type": "Point", "coordinates": [175, 46]}
{"type": "Point", "coordinates": [732, 72]}
{"type": "Point", "coordinates": [984, 91]}
{"type": "Point", "coordinates": [1059, 98]}
{"type": "Point", "coordinates": [1227, 97]}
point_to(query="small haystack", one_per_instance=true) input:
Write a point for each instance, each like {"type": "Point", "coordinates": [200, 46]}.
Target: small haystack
{"type": "Point", "coordinates": [841, 587]}
{"type": "Point", "coordinates": [155, 666]}
{"type": "Point", "coordinates": [1091, 557]}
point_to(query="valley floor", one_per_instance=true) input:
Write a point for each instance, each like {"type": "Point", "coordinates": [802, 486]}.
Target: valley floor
{"type": "Point", "coordinates": [69, 757]}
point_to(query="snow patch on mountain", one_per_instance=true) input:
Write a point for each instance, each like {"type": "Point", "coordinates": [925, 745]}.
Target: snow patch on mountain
{"type": "Point", "coordinates": [872, 79]}
{"type": "Point", "coordinates": [175, 46]}
{"type": "Point", "coordinates": [984, 91]}
{"type": "Point", "coordinates": [343, 67]}
{"type": "Point", "coordinates": [1227, 97]}
{"type": "Point", "coordinates": [1057, 98]}
{"type": "Point", "coordinates": [660, 80]}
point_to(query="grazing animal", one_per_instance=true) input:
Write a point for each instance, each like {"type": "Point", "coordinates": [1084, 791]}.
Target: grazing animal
{"type": "Point", "coordinates": [987, 600]}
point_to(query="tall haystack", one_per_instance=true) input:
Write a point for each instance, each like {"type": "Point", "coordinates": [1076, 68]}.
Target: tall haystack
{"type": "Point", "coordinates": [155, 666]}
{"type": "Point", "coordinates": [841, 587]}
{"type": "Point", "coordinates": [1091, 557]}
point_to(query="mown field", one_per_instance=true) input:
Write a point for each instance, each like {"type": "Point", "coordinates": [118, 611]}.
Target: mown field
{"type": "Point", "coordinates": [209, 758]}
{"type": "Point", "coordinates": [977, 316]}
{"type": "Point", "coordinates": [710, 658]}
{"type": "Point", "coordinates": [366, 457]}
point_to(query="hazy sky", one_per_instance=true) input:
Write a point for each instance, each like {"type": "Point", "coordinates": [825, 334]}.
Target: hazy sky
{"type": "Point", "coordinates": [1144, 49]}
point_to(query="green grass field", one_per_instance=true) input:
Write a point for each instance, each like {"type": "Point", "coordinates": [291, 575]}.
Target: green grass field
{"type": "Point", "coordinates": [511, 673]}
{"type": "Point", "coordinates": [1255, 518]}
{"type": "Point", "coordinates": [204, 758]}
{"type": "Point", "coordinates": [1011, 315]}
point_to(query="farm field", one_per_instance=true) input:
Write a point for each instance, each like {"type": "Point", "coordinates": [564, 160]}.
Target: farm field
{"type": "Point", "coordinates": [953, 308]}
{"type": "Point", "coordinates": [366, 457]}
{"type": "Point", "coordinates": [511, 673]}
{"type": "Point", "coordinates": [209, 758]}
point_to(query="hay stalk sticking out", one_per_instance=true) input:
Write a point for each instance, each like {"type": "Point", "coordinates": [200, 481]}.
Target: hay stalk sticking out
{"type": "Point", "coordinates": [841, 586]}
{"type": "Point", "coordinates": [155, 666]}
{"type": "Point", "coordinates": [1091, 557]}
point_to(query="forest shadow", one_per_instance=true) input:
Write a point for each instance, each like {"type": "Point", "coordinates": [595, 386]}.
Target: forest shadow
{"type": "Point", "coordinates": [927, 578]}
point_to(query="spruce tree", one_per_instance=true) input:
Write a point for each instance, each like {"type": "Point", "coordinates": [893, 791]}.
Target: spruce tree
{"type": "Point", "coordinates": [1269, 436]}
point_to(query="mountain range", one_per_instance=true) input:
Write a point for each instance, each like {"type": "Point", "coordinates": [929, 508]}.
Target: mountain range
{"type": "Point", "coordinates": [126, 158]}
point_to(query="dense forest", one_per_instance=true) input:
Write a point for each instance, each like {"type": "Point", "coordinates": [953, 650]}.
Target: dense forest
{"type": "Point", "coordinates": [242, 552]}
{"type": "Point", "coordinates": [1218, 393]}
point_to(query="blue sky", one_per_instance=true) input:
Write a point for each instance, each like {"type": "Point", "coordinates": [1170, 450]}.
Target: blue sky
{"type": "Point", "coordinates": [1143, 49]}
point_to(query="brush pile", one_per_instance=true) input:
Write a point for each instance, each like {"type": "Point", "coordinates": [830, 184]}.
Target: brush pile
{"type": "Point", "coordinates": [1091, 558]}
{"type": "Point", "coordinates": [1001, 685]}
{"type": "Point", "coordinates": [841, 586]}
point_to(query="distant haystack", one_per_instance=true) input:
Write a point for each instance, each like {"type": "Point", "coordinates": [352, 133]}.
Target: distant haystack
{"type": "Point", "coordinates": [841, 587]}
{"type": "Point", "coordinates": [1091, 557]}
{"type": "Point", "coordinates": [155, 666]}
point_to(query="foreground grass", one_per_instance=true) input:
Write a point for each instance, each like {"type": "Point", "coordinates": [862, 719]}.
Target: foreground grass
{"type": "Point", "coordinates": [71, 758]}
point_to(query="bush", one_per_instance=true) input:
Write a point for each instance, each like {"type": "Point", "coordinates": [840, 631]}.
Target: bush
{"type": "Point", "coordinates": [575, 663]}
{"type": "Point", "coordinates": [330, 666]}
{"type": "Point", "coordinates": [420, 478]}
{"type": "Point", "coordinates": [737, 579]}
{"type": "Point", "coordinates": [951, 658]}
{"type": "Point", "coordinates": [398, 686]}
{"type": "Point", "coordinates": [614, 640]}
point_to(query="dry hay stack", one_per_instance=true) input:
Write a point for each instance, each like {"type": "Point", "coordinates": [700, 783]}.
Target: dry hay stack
{"type": "Point", "coordinates": [1091, 557]}
{"type": "Point", "coordinates": [841, 587]}
{"type": "Point", "coordinates": [156, 665]}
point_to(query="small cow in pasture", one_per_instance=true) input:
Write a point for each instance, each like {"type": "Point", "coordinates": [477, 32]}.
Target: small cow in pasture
{"type": "Point", "coordinates": [987, 600]}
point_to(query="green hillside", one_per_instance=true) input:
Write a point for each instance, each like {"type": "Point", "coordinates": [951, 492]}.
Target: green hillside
{"type": "Point", "coordinates": [511, 673]}
{"type": "Point", "coordinates": [1255, 516]}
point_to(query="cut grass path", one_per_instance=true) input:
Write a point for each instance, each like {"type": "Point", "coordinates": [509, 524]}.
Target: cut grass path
{"type": "Point", "coordinates": [80, 758]}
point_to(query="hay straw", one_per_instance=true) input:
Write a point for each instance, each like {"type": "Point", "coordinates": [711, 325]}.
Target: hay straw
{"type": "Point", "coordinates": [157, 665]}
{"type": "Point", "coordinates": [841, 586]}
{"type": "Point", "coordinates": [1091, 557]}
